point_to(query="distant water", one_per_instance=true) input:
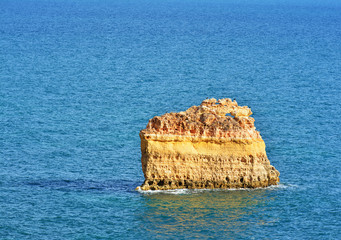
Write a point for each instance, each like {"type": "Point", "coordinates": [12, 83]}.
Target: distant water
{"type": "Point", "coordinates": [79, 79]}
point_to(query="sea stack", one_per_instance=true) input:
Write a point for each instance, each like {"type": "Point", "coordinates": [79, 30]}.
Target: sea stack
{"type": "Point", "coordinates": [214, 145]}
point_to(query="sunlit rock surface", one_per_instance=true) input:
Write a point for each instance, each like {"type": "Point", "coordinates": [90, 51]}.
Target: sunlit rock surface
{"type": "Point", "coordinates": [214, 145]}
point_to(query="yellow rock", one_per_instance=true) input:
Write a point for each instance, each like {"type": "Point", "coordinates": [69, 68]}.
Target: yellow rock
{"type": "Point", "coordinates": [204, 148]}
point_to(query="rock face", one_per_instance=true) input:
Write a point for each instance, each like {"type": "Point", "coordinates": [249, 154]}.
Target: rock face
{"type": "Point", "coordinates": [214, 145]}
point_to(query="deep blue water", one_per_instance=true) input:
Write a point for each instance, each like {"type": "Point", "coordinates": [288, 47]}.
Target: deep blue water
{"type": "Point", "coordinates": [80, 79]}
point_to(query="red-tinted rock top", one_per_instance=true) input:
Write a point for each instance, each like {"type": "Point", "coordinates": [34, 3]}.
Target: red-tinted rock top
{"type": "Point", "coordinates": [222, 118]}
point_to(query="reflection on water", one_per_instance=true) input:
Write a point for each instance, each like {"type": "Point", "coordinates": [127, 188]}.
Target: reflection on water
{"type": "Point", "coordinates": [216, 214]}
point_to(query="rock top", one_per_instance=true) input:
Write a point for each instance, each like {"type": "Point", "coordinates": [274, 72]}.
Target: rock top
{"type": "Point", "coordinates": [212, 118]}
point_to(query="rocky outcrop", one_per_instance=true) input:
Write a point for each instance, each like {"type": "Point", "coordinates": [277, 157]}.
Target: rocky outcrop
{"type": "Point", "coordinates": [214, 145]}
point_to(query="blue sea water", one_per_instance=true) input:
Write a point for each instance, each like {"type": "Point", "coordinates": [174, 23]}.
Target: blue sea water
{"type": "Point", "coordinates": [80, 78]}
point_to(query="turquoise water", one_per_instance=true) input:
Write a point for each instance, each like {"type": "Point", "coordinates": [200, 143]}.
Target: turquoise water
{"type": "Point", "coordinates": [80, 79]}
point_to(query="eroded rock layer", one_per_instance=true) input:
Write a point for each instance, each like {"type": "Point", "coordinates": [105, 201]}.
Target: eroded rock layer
{"type": "Point", "coordinates": [214, 145]}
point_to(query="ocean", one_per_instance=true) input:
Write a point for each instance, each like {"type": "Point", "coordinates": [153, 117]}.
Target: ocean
{"type": "Point", "coordinates": [80, 78]}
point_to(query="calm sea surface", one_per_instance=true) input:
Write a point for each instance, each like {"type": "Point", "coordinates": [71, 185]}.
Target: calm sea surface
{"type": "Point", "coordinates": [80, 79]}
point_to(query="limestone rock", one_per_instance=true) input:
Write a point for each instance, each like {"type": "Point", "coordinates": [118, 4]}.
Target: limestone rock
{"type": "Point", "coordinates": [214, 145]}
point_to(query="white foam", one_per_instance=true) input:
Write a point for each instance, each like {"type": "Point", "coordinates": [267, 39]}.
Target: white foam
{"type": "Point", "coordinates": [191, 191]}
{"type": "Point", "coordinates": [173, 191]}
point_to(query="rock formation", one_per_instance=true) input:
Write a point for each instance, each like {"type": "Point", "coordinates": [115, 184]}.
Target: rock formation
{"type": "Point", "coordinates": [214, 145]}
